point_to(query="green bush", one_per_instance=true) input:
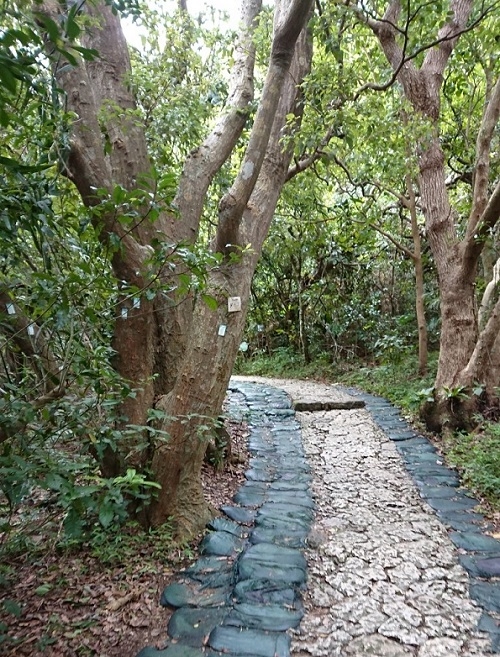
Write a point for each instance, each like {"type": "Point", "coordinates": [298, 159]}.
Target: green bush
{"type": "Point", "coordinates": [477, 456]}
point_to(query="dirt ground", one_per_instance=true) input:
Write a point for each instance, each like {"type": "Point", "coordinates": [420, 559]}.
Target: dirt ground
{"type": "Point", "coordinates": [71, 604]}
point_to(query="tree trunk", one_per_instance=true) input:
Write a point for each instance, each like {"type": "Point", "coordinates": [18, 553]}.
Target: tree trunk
{"type": "Point", "coordinates": [149, 339]}
{"type": "Point", "coordinates": [465, 355]}
{"type": "Point", "coordinates": [211, 351]}
{"type": "Point", "coordinates": [164, 339]}
{"type": "Point", "coordinates": [419, 280]}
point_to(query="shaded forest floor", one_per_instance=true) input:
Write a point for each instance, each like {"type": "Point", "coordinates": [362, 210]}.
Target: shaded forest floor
{"type": "Point", "coordinates": [101, 599]}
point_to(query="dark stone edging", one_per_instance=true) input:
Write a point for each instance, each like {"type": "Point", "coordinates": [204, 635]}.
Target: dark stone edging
{"type": "Point", "coordinates": [308, 406]}
{"type": "Point", "coordinates": [439, 486]}
{"type": "Point", "coordinates": [240, 598]}
{"type": "Point", "coordinates": [244, 593]}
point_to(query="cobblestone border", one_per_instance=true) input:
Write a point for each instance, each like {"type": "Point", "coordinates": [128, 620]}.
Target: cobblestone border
{"type": "Point", "coordinates": [240, 598]}
{"type": "Point", "coordinates": [438, 484]}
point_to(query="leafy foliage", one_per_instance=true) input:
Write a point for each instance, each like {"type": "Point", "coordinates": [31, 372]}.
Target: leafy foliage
{"type": "Point", "coordinates": [60, 394]}
{"type": "Point", "coordinates": [477, 456]}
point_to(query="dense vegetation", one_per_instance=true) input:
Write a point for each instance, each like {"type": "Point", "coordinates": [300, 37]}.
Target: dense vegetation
{"type": "Point", "coordinates": [115, 269]}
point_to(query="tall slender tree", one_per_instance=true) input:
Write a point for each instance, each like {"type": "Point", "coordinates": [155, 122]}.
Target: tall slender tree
{"type": "Point", "coordinates": [469, 356]}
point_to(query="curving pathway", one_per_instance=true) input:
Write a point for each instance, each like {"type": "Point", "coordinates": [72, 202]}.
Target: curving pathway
{"type": "Point", "coordinates": [396, 559]}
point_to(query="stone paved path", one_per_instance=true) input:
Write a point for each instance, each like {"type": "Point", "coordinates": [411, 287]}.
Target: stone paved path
{"type": "Point", "coordinates": [386, 576]}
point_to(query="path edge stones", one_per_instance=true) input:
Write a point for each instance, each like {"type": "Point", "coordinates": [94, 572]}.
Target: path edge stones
{"type": "Point", "coordinates": [243, 594]}
{"type": "Point", "coordinates": [439, 486]}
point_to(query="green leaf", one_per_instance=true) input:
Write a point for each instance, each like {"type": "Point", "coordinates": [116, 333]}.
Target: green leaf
{"type": "Point", "coordinates": [106, 515]}
{"type": "Point", "coordinates": [72, 28]}
{"type": "Point", "coordinates": [210, 301]}
{"type": "Point", "coordinates": [50, 26]}
{"type": "Point", "coordinates": [8, 79]}
{"type": "Point", "coordinates": [54, 481]}
{"type": "Point", "coordinates": [22, 168]}
{"type": "Point", "coordinates": [12, 607]}
{"type": "Point", "coordinates": [43, 589]}
{"type": "Point", "coordinates": [73, 524]}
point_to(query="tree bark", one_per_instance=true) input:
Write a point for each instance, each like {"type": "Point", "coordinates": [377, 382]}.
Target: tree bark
{"type": "Point", "coordinates": [465, 355]}
{"type": "Point", "coordinates": [149, 340]}
{"type": "Point", "coordinates": [165, 339]}
{"type": "Point", "coordinates": [209, 358]}
{"type": "Point", "coordinates": [419, 280]}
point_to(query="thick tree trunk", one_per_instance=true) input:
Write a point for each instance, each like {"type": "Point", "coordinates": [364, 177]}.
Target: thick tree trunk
{"type": "Point", "coordinates": [149, 338]}
{"type": "Point", "coordinates": [161, 339]}
{"type": "Point", "coordinates": [209, 357]}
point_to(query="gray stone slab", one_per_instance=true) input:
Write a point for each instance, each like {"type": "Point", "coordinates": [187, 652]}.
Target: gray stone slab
{"type": "Point", "coordinates": [484, 566]}
{"type": "Point", "coordinates": [249, 643]}
{"type": "Point", "coordinates": [446, 505]}
{"type": "Point", "coordinates": [239, 514]}
{"type": "Point", "coordinates": [212, 571]}
{"type": "Point", "coordinates": [473, 542]}
{"type": "Point", "coordinates": [275, 618]}
{"type": "Point", "coordinates": [273, 519]}
{"type": "Point", "coordinates": [293, 476]}
{"type": "Point", "coordinates": [295, 485]}
{"type": "Point", "coordinates": [288, 503]}
{"type": "Point", "coordinates": [263, 591]}
{"type": "Point", "coordinates": [294, 538]}
{"type": "Point", "coordinates": [487, 594]}
{"type": "Point", "coordinates": [429, 470]}
{"type": "Point", "coordinates": [224, 525]}
{"type": "Point", "coordinates": [447, 479]}
{"type": "Point", "coordinates": [192, 594]}
{"type": "Point", "coordinates": [221, 544]}
{"type": "Point", "coordinates": [263, 473]}
{"type": "Point", "coordinates": [266, 561]}
{"type": "Point", "coordinates": [417, 445]}
{"type": "Point", "coordinates": [491, 625]}
{"type": "Point", "coordinates": [192, 626]}
{"type": "Point", "coordinates": [472, 519]}
{"type": "Point", "coordinates": [302, 405]}
{"type": "Point", "coordinates": [445, 492]}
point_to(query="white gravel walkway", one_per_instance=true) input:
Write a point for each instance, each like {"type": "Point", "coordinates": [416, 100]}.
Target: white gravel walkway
{"type": "Point", "coordinates": [384, 578]}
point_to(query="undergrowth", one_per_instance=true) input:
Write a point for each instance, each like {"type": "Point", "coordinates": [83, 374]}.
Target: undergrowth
{"type": "Point", "coordinates": [477, 456]}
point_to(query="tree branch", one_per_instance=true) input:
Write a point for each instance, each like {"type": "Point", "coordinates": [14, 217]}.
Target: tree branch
{"type": "Point", "coordinates": [36, 348]}
{"type": "Point", "coordinates": [398, 245]}
{"type": "Point", "coordinates": [308, 160]}
{"type": "Point", "coordinates": [288, 25]}
{"type": "Point", "coordinates": [482, 165]}
{"type": "Point", "coordinates": [204, 162]}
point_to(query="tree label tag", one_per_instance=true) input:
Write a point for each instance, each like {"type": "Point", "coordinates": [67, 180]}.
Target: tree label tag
{"type": "Point", "coordinates": [222, 330]}
{"type": "Point", "coordinates": [233, 304]}
{"type": "Point", "coordinates": [31, 329]}
{"type": "Point", "coordinates": [11, 309]}
{"type": "Point", "coordinates": [124, 313]}
{"type": "Point", "coordinates": [136, 303]}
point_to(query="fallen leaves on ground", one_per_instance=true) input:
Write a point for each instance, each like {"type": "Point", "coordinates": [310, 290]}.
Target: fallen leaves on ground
{"type": "Point", "coordinates": [71, 604]}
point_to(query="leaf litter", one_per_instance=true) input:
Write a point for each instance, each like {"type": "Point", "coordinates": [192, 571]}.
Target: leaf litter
{"type": "Point", "coordinates": [75, 603]}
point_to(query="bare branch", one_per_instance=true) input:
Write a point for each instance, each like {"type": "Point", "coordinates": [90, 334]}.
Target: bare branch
{"type": "Point", "coordinates": [482, 166]}
{"type": "Point", "coordinates": [401, 247]}
{"type": "Point", "coordinates": [479, 361]}
{"type": "Point", "coordinates": [308, 160]}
